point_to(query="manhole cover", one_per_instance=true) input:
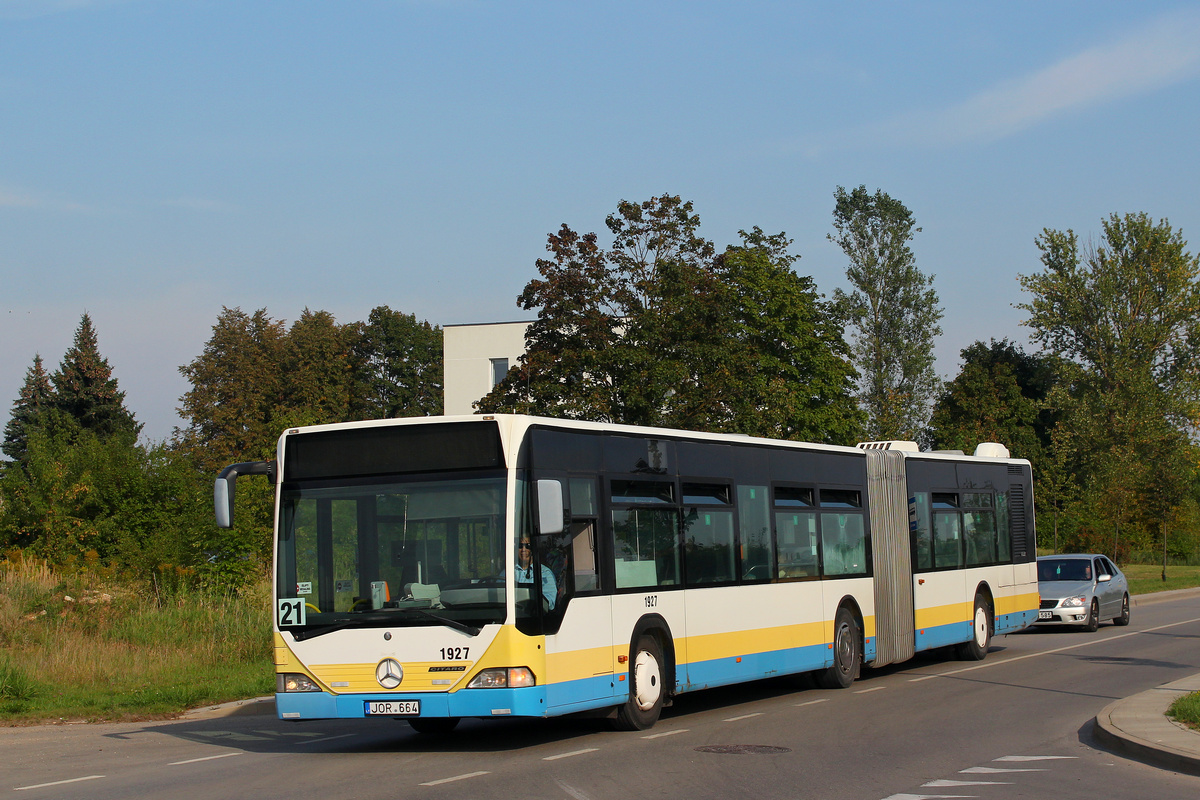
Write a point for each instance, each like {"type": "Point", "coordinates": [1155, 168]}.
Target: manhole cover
{"type": "Point", "coordinates": [744, 749]}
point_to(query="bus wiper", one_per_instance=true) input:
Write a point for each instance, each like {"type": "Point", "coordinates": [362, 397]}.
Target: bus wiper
{"type": "Point", "coordinates": [311, 633]}
{"type": "Point", "coordinates": [470, 630]}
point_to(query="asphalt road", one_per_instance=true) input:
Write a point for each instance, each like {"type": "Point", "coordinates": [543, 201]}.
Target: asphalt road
{"type": "Point", "coordinates": [1018, 724]}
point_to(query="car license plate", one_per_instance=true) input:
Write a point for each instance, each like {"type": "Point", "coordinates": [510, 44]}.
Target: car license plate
{"type": "Point", "coordinates": [393, 708]}
{"type": "Point", "coordinates": [1045, 615]}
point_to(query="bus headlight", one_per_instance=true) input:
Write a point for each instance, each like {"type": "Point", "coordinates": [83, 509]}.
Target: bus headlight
{"type": "Point", "coordinates": [295, 682]}
{"type": "Point", "coordinates": [503, 678]}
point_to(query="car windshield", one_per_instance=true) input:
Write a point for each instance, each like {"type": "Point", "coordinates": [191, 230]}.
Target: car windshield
{"type": "Point", "coordinates": [406, 552]}
{"type": "Point", "coordinates": [1065, 569]}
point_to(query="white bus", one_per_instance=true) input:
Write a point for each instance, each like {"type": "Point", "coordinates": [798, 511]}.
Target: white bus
{"type": "Point", "coordinates": [445, 567]}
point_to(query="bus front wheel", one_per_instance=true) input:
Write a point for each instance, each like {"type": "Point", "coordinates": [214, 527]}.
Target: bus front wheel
{"type": "Point", "coordinates": [847, 652]}
{"type": "Point", "coordinates": [646, 690]}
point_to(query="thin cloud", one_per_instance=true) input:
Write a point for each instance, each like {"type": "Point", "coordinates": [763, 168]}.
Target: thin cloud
{"type": "Point", "coordinates": [1165, 52]}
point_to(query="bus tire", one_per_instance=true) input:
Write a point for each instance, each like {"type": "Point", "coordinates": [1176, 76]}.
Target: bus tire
{"type": "Point", "coordinates": [976, 648]}
{"type": "Point", "coordinates": [847, 652]}
{"type": "Point", "coordinates": [434, 726]}
{"type": "Point", "coordinates": [646, 690]}
{"type": "Point", "coordinates": [1123, 619]}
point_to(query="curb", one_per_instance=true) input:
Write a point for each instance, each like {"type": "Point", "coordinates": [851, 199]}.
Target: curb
{"type": "Point", "coordinates": [1138, 727]}
{"type": "Point", "coordinates": [237, 708]}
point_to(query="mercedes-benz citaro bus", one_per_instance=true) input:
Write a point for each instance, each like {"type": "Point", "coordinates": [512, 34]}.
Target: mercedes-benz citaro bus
{"type": "Point", "coordinates": [437, 568]}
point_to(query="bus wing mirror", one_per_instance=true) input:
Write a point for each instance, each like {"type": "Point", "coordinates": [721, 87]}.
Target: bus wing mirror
{"type": "Point", "coordinates": [223, 487]}
{"type": "Point", "coordinates": [550, 507]}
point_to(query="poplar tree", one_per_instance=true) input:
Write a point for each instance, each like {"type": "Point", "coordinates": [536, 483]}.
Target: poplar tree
{"type": "Point", "coordinates": [892, 309]}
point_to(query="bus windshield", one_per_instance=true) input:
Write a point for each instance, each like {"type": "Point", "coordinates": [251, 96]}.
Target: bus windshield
{"type": "Point", "coordinates": [393, 553]}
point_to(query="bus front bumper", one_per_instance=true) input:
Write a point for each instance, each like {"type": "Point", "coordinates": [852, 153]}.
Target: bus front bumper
{"type": "Point", "coordinates": [527, 702]}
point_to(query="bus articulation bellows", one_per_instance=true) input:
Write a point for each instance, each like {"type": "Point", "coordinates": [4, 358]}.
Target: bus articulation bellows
{"type": "Point", "coordinates": [445, 567]}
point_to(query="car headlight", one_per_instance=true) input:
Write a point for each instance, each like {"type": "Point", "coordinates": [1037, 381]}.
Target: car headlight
{"type": "Point", "coordinates": [1074, 602]}
{"type": "Point", "coordinates": [295, 682]}
{"type": "Point", "coordinates": [503, 678]}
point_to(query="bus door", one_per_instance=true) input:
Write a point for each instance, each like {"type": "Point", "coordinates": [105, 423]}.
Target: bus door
{"type": "Point", "coordinates": [579, 651]}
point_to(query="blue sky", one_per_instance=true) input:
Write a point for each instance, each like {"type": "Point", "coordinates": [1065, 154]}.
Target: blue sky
{"type": "Point", "coordinates": [160, 159]}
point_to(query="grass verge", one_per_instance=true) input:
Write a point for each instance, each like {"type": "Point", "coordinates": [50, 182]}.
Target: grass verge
{"type": "Point", "coordinates": [1147, 578]}
{"type": "Point", "coordinates": [1186, 710]}
{"type": "Point", "coordinates": [76, 649]}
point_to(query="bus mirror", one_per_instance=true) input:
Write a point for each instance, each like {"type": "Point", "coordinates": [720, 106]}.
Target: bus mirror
{"type": "Point", "coordinates": [223, 487]}
{"type": "Point", "coordinates": [550, 507]}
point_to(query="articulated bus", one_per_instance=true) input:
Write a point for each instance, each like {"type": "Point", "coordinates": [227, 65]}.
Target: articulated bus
{"type": "Point", "coordinates": [438, 568]}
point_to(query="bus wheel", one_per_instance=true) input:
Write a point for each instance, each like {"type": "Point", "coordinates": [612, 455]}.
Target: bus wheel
{"type": "Point", "coordinates": [975, 649]}
{"type": "Point", "coordinates": [646, 692]}
{"type": "Point", "coordinates": [1124, 618]}
{"type": "Point", "coordinates": [847, 652]}
{"type": "Point", "coordinates": [433, 725]}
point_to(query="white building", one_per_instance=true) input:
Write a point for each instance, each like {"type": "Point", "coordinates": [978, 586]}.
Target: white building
{"type": "Point", "coordinates": [475, 358]}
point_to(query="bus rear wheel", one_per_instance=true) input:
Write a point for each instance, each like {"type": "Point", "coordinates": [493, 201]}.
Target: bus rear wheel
{"type": "Point", "coordinates": [847, 652]}
{"type": "Point", "coordinates": [646, 690]}
{"type": "Point", "coordinates": [975, 648]}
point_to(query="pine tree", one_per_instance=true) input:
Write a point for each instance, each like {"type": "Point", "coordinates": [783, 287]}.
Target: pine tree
{"type": "Point", "coordinates": [36, 398]}
{"type": "Point", "coordinates": [85, 390]}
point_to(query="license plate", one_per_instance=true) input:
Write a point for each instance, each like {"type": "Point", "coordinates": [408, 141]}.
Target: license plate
{"type": "Point", "coordinates": [393, 708]}
{"type": "Point", "coordinates": [1045, 615]}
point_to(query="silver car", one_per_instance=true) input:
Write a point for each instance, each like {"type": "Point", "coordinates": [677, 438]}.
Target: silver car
{"type": "Point", "coordinates": [1081, 590]}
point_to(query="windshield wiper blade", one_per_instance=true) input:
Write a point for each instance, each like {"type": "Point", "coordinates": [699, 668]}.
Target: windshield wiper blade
{"type": "Point", "coordinates": [470, 630]}
{"type": "Point", "coordinates": [310, 633]}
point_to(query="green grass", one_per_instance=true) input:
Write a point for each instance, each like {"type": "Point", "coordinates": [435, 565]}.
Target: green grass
{"type": "Point", "coordinates": [1147, 578]}
{"type": "Point", "coordinates": [1186, 710]}
{"type": "Point", "coordinates": [77, 647]}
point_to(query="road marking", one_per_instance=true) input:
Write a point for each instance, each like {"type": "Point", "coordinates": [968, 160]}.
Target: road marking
{"type": "Point", "coordinates": [995, 770]}
{"type": "Point", "coordinates": [455, 778]}
{"type": "Point", "coordinates": [872, 689]}
{"type": "Point", "coordinates": [947, 784]}
{"type": "Point", "coordinates": [1052, 652]}
{"type": "Point", "coordinates": [206, 758]}
{"type": "Point", "coordinates": [813, 702]}
{"type": "Point", "coordinates": [572, 753]}
{"type": "Point", "coordinates": [926, 796]}
{"type": "Point", "coordinates": [666, 733]}
{"type": "Point", "coordinates": [327, 739]}
{"type": "Point", "coordinates": [57, 783]}
{"type": "Point", "coordinates": [1031, 758]}
{"type": "Point", "coordinates": [744, 716]}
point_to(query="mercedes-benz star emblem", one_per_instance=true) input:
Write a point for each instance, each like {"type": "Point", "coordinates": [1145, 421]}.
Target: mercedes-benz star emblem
{"type": "Point", "coordinates": [389, 673]}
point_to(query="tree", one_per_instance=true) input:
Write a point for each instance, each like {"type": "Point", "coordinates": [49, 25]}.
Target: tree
{"type": "Point", "coordinates": [86, 391]}
{"type": "Point", "coordinates": [397, 366]}
{"type": "Point", "coordinates": [1123, 317]}
{"type": "Point", "coordinates": [999, 395]}
{"type": "Point", "coordinates": [893, 310]}
{"type": "Point", "coordinates": [659, 330]}
{"type": "Point", "coordinates": [315, 372]}
{"type": "Point", "coordinates": [29, 410]}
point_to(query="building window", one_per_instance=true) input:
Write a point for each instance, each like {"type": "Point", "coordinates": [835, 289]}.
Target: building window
{"type": "Point", "coordinates": [499, 370]}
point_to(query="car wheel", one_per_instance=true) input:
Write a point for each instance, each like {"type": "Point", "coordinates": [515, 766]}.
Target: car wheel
{"type": "Point", "coordinates": [1124, 618]}
{"type": "Point", "coordinates": [1093, 620]}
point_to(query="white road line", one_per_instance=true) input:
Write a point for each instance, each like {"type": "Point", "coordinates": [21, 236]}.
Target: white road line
{"type": "Point", "coordinates": [1031, 758]}
{"type": "Point", "coordinates": [927, 796]}
{"type": "Point", "coordinates": [206, 758]}
{"type": "Point", "coordinates": [995, 770]}
{"type": "Point", "coordinates": [57, 783]}
{"type": "Point", "coordinates": [947, 784]}
{"type": "Point", "coordinates": [455, 778]}
{"type": "Point", "coordinates": [572, 753]}
{"type": "Point", "coordinates": [1051, 652]}
{"type": "Point", "coordinates": [813, 702]}
{"type": "Point", "coordinates": [666, 733]}
{"type": "Point", "coordinates": [872, 689]}
{"type": "Point", "coordinates": [326, 739]}
{"type": "Point", "coordinates": [744, 716]}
